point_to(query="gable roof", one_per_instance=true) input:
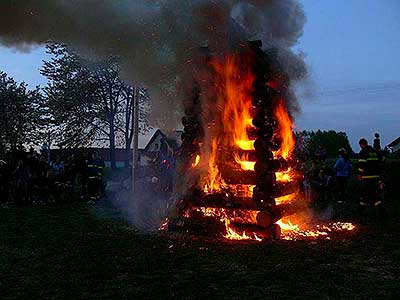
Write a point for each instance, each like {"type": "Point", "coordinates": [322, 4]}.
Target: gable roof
{"type": "Point", "coordinates": [394, 143]}
{"type": "Point", "coordinates": [145, 137]}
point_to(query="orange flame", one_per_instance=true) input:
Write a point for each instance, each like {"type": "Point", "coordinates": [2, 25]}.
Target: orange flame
{"type": "Point", "coordinates": [285, 176]}
{"type": "Point", "coordinates": [285, 130]}
{"type": "Point", "coordinates": [231, 234]}
{"type": "Point", "coordinates": [286, 199]}
{"type": "Point", "coordinates": [244, 162]}
{"type": "Point", "coordinates": [214, 181]}
{"type": "Point", "coordinates": [291, 231]}
{"type": "Point", "coordinates": [196, 162]}
{"type": "Point", "coordinates": [232, 96]}
{"type": "Point", "coordinates": [225, 217]}
{"type": "Point", "coordinates": [235, 84]}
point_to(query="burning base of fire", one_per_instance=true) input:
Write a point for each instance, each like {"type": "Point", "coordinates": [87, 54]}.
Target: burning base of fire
{"type": "Point", "coordinates": [289, 228]}
{"type": "Point", "coordinates": [292, 231]}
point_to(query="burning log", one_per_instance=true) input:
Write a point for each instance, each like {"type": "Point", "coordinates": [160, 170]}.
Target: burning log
{"type": "Point", "coordinates": [272, 232]}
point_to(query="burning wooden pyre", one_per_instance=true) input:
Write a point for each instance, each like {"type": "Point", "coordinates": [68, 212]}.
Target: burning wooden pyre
{"type": "Point", "coordinates": [237, 147]}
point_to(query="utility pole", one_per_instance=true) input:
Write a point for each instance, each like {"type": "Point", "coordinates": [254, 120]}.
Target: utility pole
{"type": "Point", "coordinates": [135, 140]}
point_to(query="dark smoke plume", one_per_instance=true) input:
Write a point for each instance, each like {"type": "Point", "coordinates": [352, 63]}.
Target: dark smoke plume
{"type": "Point", "coordinates": [155, 39]}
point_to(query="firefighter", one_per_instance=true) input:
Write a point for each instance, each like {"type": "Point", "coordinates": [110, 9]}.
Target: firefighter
{"type": "Point", "coordinates": [95, 170]}
{"type": "Point", "coordinates": [370, 176]}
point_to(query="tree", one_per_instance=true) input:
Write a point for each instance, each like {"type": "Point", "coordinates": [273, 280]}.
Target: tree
{"type": "Point", "coordinates": [20, 114]}
{"type": "Point", "coordinates": [331, 141]}
{"type": "Point", "coordinates": [89, 102]}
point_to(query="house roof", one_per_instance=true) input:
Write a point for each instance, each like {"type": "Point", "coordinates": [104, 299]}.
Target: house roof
{"type": "Point", "coordinates": [145, 137]}
{"type": "Point", "coordinates": [394, 143]}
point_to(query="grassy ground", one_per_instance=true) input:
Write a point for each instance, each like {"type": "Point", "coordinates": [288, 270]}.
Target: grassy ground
{"type": "Point", "coordinates": [65, 252]}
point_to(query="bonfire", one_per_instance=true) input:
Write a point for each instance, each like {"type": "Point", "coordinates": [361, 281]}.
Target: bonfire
{"type": "Point", "coordinates": [238, 153]}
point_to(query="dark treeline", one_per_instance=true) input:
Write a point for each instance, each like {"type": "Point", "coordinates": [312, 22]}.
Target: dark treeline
{"type": "Point", "coordinates": [84, 103]}
{"type": "Point", "coordinates": [322, 144]}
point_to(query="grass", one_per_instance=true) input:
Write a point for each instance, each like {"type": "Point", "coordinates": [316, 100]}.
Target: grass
{"type": "Point", "coordinates": [66, 252]}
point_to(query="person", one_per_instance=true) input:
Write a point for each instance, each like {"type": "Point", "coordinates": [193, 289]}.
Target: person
{"type": "Point", "coordinates": [342, 168]}
{"type": "Point", "coordinates": [95, 169]}
{"type": "Point", "coordinates": [369, 175]}
{"type": "Point", "coordinates": [21, 176]}
{"type": "Point", "coordinates": [377, 143]}
{"type": "Point", "coordinates": [320, 153]}
{"type": "Point", "coordinates": [58, 167]}
{"type": "Point", "coordinates": [4, 181]}
{"type": "Point", "coordinates": [311, 182]}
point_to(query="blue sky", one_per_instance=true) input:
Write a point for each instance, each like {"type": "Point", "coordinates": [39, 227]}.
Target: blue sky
{"type": "Point", "coordinates": [352, 49]}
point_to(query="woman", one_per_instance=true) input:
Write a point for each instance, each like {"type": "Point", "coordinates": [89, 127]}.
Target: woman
{"type": "Point", "coordinates": [342, 168]}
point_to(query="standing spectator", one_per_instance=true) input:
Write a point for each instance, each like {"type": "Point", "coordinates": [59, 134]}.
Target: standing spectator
{"type": "Point", "coordinates": [58, 167]}
{"type": "Point", "coordinates": [377, 143]}
{"type": "Point", "coordinates": [369, 174]}
{"type": "Point", "coordinates": [95, 171]}
{"type": "Point", "coordinates": [4, 181]}
{"type": "Point", "coordinates": [342, 168]}
{"type": "Point", "coordinates": [21, 183]}
{"type": "Point", "coordinates": [320, 153]}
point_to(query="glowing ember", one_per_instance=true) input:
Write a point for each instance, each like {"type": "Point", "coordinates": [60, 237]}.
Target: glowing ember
{"type": "Point", "coordinates": [164, 225]}
{"type": "Point", "coordinates": [292, 231]}
{"type": "Point", "coordinates": [241, 190]}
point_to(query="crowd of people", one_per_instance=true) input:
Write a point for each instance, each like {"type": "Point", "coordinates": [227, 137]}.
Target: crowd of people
{"type": "Point", "coordinates": [31, 177]}
{"type": "Point", "coordinates": [327, 184]}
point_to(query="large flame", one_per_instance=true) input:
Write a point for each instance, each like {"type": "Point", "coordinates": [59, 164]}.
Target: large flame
{"type": "Point", "coordinates": [214, 181]}
{"type": "Point", "coordinates": [233, 88]}
{"type": "Point", "coordinates": [234, 82]}
{"type": "Point", "coordinates": [285, 130]}
{"type": "Point", "coordinates": [231, 123]}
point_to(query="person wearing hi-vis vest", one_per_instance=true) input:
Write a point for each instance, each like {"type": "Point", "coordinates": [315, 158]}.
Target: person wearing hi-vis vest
{"type": "Point", "coordinates": [369, 175]}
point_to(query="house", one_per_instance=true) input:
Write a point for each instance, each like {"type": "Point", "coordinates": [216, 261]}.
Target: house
{"type": "Point", "coordinates": [395, 145]}
{"type": "Point", "coordinates": [152, 144]}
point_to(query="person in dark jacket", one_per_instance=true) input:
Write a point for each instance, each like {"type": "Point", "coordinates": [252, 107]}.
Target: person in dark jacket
{"type": "Point", "coordinates": [377, 143]}
{"type": "Point", "coordinates": [369, 175]}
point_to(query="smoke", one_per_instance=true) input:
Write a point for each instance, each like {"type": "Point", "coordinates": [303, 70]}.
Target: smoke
{"type": "Point", "coordinates": [155, 39]}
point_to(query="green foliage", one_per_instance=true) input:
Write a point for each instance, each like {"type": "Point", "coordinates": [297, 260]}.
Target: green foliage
{"type": "Point", "coordinates": [89, 102]}
{"type": "Point", "coordinates": [331, 141]}
{"type": "Point", "coordinates": [20, 114]}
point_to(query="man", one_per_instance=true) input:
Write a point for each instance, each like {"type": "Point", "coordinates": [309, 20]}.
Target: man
{"type": "Point", "coordinates": [369, 175]}
{"type": "Point", "coordinates": [377, 143]}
